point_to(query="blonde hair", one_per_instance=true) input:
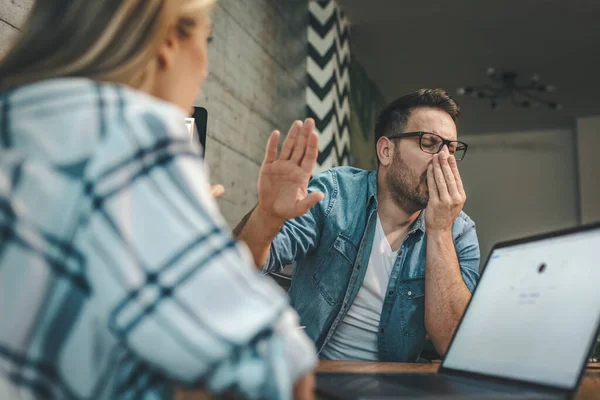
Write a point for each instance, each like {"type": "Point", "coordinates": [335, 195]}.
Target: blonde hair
{"type": "Point", "coordinates": [106, 40]}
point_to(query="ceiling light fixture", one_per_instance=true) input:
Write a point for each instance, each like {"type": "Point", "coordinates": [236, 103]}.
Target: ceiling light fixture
{"type": "Point", "coordinates": [505, 86]}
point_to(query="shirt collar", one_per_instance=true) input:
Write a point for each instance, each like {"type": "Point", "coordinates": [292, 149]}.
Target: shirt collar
{"type": "Point", "coordinates": [372, 189]}
{"type": "Point", "coordinates": [419, 224]}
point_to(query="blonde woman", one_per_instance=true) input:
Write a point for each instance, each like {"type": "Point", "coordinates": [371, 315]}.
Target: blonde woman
{"type": "Point", "coordinates": [118, 277]}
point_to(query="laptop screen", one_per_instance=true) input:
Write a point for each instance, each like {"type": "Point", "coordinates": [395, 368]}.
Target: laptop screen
{"type": "Point", "coordinates": [535, 312]}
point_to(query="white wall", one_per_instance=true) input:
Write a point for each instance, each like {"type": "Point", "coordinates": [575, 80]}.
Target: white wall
{"type": "Point", "coordinates": [520, 184]}
{"type": "Point", "coordinates": [588, 143]}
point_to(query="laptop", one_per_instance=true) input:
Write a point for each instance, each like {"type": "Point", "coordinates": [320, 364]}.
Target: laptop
{"type": "Point", "coordinates": [527, 332]}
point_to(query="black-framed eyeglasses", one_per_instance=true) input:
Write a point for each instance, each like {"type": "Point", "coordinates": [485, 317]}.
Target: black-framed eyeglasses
{"type": "Point", "coordinates": [433, 144]}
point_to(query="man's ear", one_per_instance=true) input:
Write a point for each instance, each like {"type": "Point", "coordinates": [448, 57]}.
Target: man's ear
{"type": "Point", "coordinates": [385, 151]}
{"type": "Point", "coordinates": [168, 50]}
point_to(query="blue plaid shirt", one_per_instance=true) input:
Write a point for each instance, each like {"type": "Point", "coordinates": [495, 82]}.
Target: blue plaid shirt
{"type": "Point", "coordinates": [118, 276]}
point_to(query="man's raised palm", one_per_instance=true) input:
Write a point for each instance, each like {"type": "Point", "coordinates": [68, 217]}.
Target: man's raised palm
{"type": "Point", "coordinates": [283, 181]}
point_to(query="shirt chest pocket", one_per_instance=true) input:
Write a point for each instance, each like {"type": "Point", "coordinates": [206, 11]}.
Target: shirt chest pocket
{"type": "Point", "coordinates": [412, 298]}
{"type": "Point", "coordinates": [333, 272]}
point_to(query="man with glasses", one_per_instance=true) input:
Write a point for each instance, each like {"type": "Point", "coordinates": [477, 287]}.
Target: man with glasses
{"type": "Point", "coordinates": [386, 257]}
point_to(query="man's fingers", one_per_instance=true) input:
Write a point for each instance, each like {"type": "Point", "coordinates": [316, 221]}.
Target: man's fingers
{"type": "Point", "coordinates": [450, 180]}
{"type": "Point", "coordinates": [300, 148]}
{"type": "Point", "coordinates": [433, 190]}
{"type": "Point", "coordinates": [271, 152]}
{"type": "Point", "coordinates": [290, 141]}
{"type": "Point", "coordinates": [309, 202]}
{"type": "Point", "coordinates": [457, 178]}
{"type": "Point", "coordinates": [440, 181]}
{"type": "Point", "coordinates": [312, 152]}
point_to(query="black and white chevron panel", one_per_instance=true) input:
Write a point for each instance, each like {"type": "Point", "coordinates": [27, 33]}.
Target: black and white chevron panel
{"type": "Point", "coordinates": [327, 93]}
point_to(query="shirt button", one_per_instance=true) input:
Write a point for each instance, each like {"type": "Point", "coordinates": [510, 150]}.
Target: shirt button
{"type": "Point", "coordinates": [357, 267]}
{"type": "Point", "coordinates": [382, 330]}
{"type": "Point", "coordinates": [409, 293]}
{"type": "Point", "coordinates": [391, 292]}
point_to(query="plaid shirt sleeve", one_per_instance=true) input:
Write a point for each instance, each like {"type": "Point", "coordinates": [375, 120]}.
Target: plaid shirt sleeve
{"type": "Point", "coordinates": [174, 286]}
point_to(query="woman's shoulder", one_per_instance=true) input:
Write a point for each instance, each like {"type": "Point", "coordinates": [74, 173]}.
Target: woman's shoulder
{"type": "Point", "coordinates": [146, 113]}
{"type": "Point", "coordinates": [109, 104]}
{"type": "Point", "coordinates": [87, 119]}
{"type": "Point", "coordinates": [138, 103]}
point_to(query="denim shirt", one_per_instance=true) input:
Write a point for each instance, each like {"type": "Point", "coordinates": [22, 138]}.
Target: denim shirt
{"type": "Point", "coordinates": [331, 245]}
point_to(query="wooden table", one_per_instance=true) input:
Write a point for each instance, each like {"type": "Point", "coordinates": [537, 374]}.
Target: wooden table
{"type": "Point", "coordinates": [589, 389]}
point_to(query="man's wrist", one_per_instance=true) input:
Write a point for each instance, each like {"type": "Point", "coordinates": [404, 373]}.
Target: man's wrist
{"type": "Point", "coordinates": [439, 233]}
{"type": "Point", "coordinates": [270, 223]}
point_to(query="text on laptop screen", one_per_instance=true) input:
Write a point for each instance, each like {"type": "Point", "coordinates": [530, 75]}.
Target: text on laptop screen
{"type": "Point", "coordinates": [535, 312]}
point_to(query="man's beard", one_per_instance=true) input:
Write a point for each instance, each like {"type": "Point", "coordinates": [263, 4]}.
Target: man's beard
{"type": "Point", "coordinates": [405, 186]}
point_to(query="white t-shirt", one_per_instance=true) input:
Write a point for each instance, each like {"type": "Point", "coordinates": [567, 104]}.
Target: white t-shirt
{"type": "Point", "coordinates": [356, 336]}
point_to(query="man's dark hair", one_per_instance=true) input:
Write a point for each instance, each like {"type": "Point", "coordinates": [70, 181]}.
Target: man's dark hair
{"type": "Point", "coordinates": [395, 115]}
